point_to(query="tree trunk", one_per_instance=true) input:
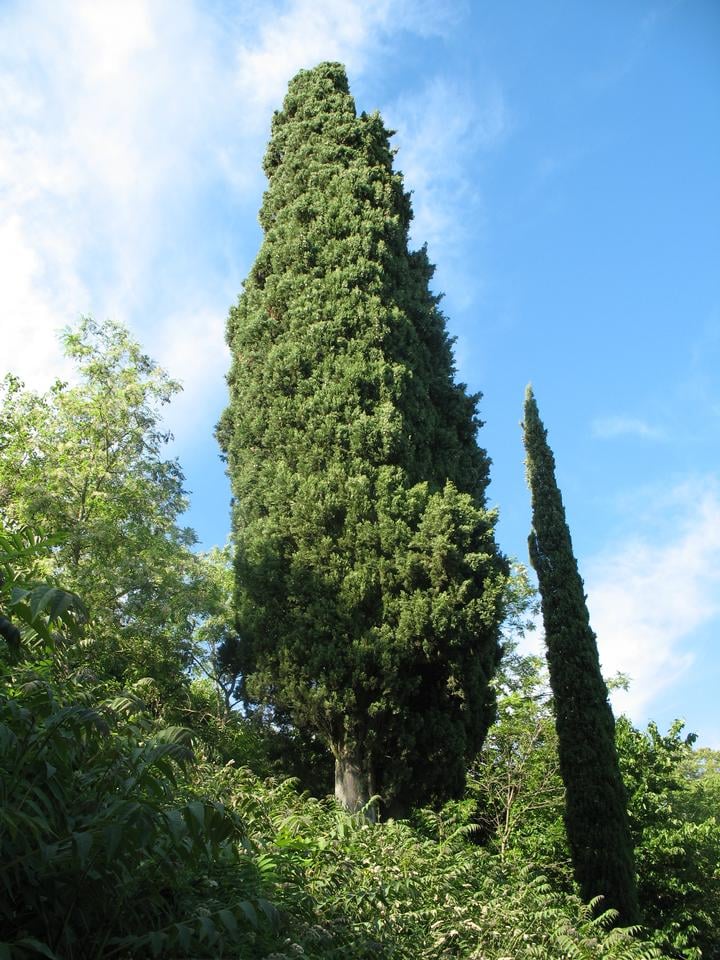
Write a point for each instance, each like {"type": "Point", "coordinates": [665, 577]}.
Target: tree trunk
{"type": "Point", "coordinates": [353, 783]}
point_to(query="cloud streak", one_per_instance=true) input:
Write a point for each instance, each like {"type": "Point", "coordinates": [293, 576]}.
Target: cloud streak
{"type": "Point", "coordinates": [653, 593]}
{"type": "Point", "coordinates": [442, 131]}
{"type": "Point", "coordinates": [648, 595]}
{"type": "Point", "coordinates": [609, 428]}
{"type": "Point", "coordinates": [104, 129]}
{"type": "Point", "coordinates": [305, 33]}
{"type": "Point", "coordinates": [122, 122]}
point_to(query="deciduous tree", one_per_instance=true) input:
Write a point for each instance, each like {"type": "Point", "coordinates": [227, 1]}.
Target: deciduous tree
{"type": "Point", "coordinates": [86, 461]}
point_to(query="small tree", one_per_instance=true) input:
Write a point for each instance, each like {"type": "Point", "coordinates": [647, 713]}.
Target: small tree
{"type": "Point", "coordinates": [515, 780]}
{"type": "Point", "coordinates": [86, 461]}
{"type": "Point", "coordinates": [596, 806]}
{"type": "Point", "coordinates": [369, 584]}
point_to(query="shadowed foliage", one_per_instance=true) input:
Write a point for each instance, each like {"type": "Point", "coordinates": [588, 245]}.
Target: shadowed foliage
{"type": "Point", "coordinates": [596, 804]}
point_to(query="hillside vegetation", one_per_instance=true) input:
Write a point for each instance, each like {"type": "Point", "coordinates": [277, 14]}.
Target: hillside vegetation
{"type": "Point", "coordinates": [138, 824]}
{"type": "Point", "coordinates": [125, 833]}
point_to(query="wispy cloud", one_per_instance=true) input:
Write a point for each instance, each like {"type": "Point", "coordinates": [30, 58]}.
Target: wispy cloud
{"type": "Point", "coordinates": [41, 291]}
{"type": "Point", "coordinates": [104, 129]}
{"type": "Point", "coordinates": [608, 428]}
{"type": "Point", "coordinates": [304, 33]}
{"type": "Point", "coordinates": [441, 130]}
{"type": "Point", "coordinates": [120, 119]}
{"type": "Point", "coordinates": [648, 594]}
{"type": "Point", "coordinates": [199, 358]}
{"type": "Point", "coordinates": [652, 593]}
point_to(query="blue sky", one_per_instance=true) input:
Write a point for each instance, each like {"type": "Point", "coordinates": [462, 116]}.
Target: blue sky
{"type": "Point", "coordinates": [564, 161]}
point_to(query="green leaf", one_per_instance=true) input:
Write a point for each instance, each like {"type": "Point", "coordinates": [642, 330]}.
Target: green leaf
{"type": "Point", "coordinates": [37, 946]}
{"type": "Point", "coordinates": [207, 930]}
{"type": "Point", "coordinates": [82, 842]}
{"type": "Point", "coordinates": [157, 941]}
{"type": "Point", "coordinates": [183, 934]}
{"type": "Point", "coordinates": [112, 835]}
{"type": "Point", "coordinates": [250, 913]}
{"type": "Point", "coordinates": [23, 611]}
{"type": "Point", "coordinates": [182, 736]}
{"type": "Point", "coordinates": [176, 824]}
{"type": "Point", "coordinates": [195, 815]}
{"type": "Point", "coordinates": [270, 911]}
{"type": "Point", "coordinates": [228, 920]}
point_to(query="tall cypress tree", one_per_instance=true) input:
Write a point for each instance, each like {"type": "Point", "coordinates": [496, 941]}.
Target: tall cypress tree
{"type": "Point", "coordinates": [369, 585]}
{"type": "Point", "coordinates": [596, 807]}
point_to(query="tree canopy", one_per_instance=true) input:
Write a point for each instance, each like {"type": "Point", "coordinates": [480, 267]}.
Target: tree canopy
{"type": "Point", "coordinates": [85, 461]}
{"type": "Point", "coordinates": [369, 585]}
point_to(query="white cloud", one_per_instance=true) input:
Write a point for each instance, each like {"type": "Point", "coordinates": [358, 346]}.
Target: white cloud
{"type": "Point", "coordinates": [442, 130]}
{"type": "Point", "coordinates": [649, 594]}
{"type": "Point", "coordinates": [101, 127]}
{"type": "Point", "coordinates": [608, 428]}
{"type": "Point", "coordinates": [308, 31]}
{"type": "Point", "coordinates": [191, 346]}
{"type": "Point", "coordinates": [116, 116]}
{"type": "Point", "coordinates": [35, 302]}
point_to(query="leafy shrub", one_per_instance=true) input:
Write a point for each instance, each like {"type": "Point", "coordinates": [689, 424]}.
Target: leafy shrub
{"type": "Point", "coordinates": [677, 839]}
{"type": "Point", "coordinates": [393, 891]}
{"type": "Point", "coordinates": [100, 853]}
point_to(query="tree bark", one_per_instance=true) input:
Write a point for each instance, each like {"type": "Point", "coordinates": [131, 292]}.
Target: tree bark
{"type": "Point", "coordinates": [353, 783]}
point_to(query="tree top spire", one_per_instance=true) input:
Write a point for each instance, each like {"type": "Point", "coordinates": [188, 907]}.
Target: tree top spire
{"type": "Point", "coordinates": [329, 73]}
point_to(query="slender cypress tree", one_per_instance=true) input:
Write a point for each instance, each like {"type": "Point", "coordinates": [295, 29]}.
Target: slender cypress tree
{"type": "Point", "coordinates": [596, 807]}
{"type": "Point", "coordinates": [369, 585]}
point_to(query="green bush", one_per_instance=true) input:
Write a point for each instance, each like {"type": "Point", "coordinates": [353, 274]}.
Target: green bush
{"type": "Point", "coordinates": [675, 819]}
{"type": "Point", "coordinates": [351, 889]}
{"type": "Point", "coordinates": [101, 853]}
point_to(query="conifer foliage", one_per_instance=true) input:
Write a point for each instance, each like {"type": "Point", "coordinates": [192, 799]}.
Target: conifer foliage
{"type": "Point", "coordinates": [596, 807]}
{"type": "Point", "coordinates": [369, 584]}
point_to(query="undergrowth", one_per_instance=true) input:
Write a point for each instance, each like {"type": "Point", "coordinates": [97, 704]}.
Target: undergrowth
{"type": "Point", "coordinates": [124, 834]}
{"type": "Point", "coordinates": [118, 841]}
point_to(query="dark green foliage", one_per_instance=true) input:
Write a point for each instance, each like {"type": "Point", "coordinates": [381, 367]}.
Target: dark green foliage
{"type": "Point", "coordinates": [596, 814]}
{"type": "Point", "coordinates": [9, 632]}
{"type": "Point", "coordinates": [355, 891]}
{"type": "Point", "coordinates": [99, 854]}
{"type": "Point", "coordinates": [515, 796]}
{"type": "Point", "coordinates": [104, 851]}
{"type": "Point", "coordinates": [255, 740]}
{"type": "Point", "coordinates": [515, 799]}
{"type": "Point", "coordinates": [35, 606]}
{"type": "Point", "coordinates": [369, 585]}
{"type": "Point", "coordinates": [117, 839]}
